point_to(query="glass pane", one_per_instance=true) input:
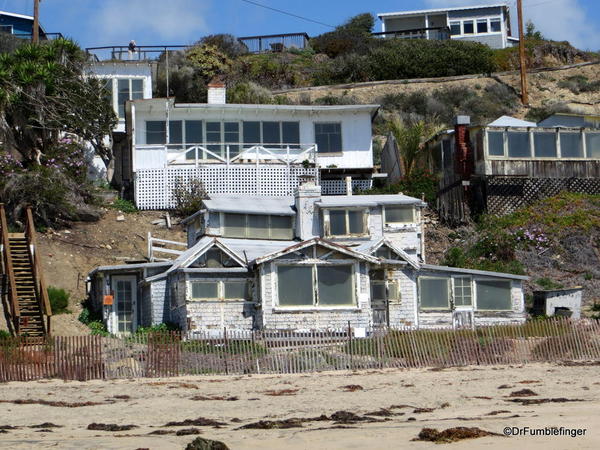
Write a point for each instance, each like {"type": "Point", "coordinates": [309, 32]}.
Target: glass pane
{"type": "Point", "coordinates": [271, 133]}
{"type": "Point", "coordinates": [258, 227]}
{"type": "Point", "coordinates": [570, 145]}
{"type": "Point", "coordinates": [433, 292]}
{"type": "Point", "coordinates": [232, 135]}
{"type": "Point", "coordinates": [337, 223]}
{"type": "Point", "coordinates": [235, 290]}
{"type": "Point", "coordinates": [156, 132]}
{"type": "Point", "coordinates": [290, 132]}
{"type": "Point", "coordinates": [295, 286]}
{"type": "Point", "coordinates": [235, 225]}
{"type": "Point", "coordinates": [356, 222]}
{"type": "Point", "coordinates": [123, 95]}
{"type": "Point", "coordinates": [328, 137]}
{"type": "Point", "coordinates": [281, 227]}
{"type": "Point", "coordinates": [193, 132]}
{"type": "Point", "coordinates": [175, 133]}
{"type": "Point", "coordinates": [378, 291]}
{"type": "Point", "coordinates": [335, 285]}
{"type": "Point", "coordinates": [592, 142]}
{"type": "Point", "coordinates": [462, 291]}
{"type": "Point", "coordinates": [545, 144]}
{"type": "Point", "coordinates": [454, 28]}
{"type": "Point", "coordinates": [205, 290]}
{"type": "Point", "coordinates": [495, 143]}
{"type": "Point", "coordinates": [214, 258]}
{"type": "Point", "coordinates": [494, 295]}
{"type": "Point", "coordinates": [137, 89]}
{"type": "Point", "coordinates": [468, 27]}
{"type": "Point", "coordinates": [399, 214]}
{"type": "Point", "coordinates": [518, 144]}
{"type": "Point", "coordinates": [482, 26]}
{"type": "Point", "coordinates": [383, 252]}
{"type": "Point", "coordinates": [251, 133]}
{"type": "Point", "coordinates": [495, 25]}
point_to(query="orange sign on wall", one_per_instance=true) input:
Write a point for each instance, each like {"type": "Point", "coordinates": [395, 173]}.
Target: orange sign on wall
{"type": "Point", "coordinates": [108, 300]}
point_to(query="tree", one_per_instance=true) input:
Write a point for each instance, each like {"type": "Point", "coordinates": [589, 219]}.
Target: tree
{"type": "Point", "coordinates": [532, 33]}
{"type": "Point", "coordinates": [411, 137]}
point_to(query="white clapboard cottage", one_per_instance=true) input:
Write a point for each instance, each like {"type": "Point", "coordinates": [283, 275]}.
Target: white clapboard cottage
{"type": "Point", "coordinates": [244, 148]}
{"type": "Point", "coordinates": [304, 262]}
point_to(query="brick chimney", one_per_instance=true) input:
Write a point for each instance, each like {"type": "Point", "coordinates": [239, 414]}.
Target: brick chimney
{"type": "Point", "coordinates": [305, 197]}
{"type": "Point", "coordinates": [217, 93]}
{"type": "Point", "coordinates": [463, 152]}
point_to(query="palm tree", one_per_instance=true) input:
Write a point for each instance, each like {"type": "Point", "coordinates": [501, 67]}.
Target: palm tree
{"type": "Point", "coordinates": [411, 137]}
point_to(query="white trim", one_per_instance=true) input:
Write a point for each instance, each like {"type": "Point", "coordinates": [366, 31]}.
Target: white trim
{"type": "Point", "coordinates": [510, 287]}
{"type": "Point", "coordinates": [114, 316]}
{"type": "Point", "coordinates": [439, 10]}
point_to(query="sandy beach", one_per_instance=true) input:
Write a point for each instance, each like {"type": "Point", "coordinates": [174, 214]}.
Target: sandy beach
{"type": "Point", "coordinates": [389, 408]}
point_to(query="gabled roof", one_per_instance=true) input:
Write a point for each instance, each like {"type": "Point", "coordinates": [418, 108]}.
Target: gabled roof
{"type": "Point", "coordinates": [20, 16]}
{"type": "Point", "coordinates": [508, 121]}
{"type": "Point", "coordinates": [370, 247]}
{"type": "Point", "coordinates": [439, 10]}
{"type": "Point", "coordinates": [333, 201]}
{"type": "Point", "coordinates": [248, 204]}
{"type": "Point", "coordinates": [474, 272]}
{"type": "Point", "coordinates": [321, 242]}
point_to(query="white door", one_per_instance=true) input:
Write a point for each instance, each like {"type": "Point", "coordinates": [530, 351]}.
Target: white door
{"type": "Point", "coordinates": [125, 303]}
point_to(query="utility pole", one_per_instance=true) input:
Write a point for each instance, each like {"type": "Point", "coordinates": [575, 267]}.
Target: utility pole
{"type": "Point", "coordinates": [35, 37]}
{"type": "Point", "coordinates": [523, 64]}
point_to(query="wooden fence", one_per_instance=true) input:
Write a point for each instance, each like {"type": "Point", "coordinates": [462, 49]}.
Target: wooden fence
{"type": "Point", "coordinates": [281, 352]}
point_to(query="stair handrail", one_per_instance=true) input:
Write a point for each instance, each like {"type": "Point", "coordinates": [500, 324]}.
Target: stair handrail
{"type": "Point", "coordinates": [8, 266]}
{"type": "Point", "coordinates": [38, 273]}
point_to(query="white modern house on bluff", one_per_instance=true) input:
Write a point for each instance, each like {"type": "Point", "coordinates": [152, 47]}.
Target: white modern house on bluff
{"type": "Point", "coordinates": [488, 24]}
{"type": "Point", "coordinates": [244, 148]}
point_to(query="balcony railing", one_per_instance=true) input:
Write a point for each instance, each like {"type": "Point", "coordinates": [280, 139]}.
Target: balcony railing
{"type": "Point", "coordinates": [158, 156]}
{"type": "Point", "coordinates": [123, 53]}
{"type": "Point", "coordinates": [275, 42]}
{"type": "Point", "coordinates": [43, 36]}
{"type": "Point", "coordinates": [431, 33]}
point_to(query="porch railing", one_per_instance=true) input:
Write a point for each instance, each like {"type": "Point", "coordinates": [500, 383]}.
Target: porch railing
{"type": "Point", "coordinates": [7, 262]}
{"type": "Point", "coordinates": [158, 156]}
{"type": "Point", "coordinates": [274, 42]}
{"type": "Point", "coordinates": [432, 33]}
{"type": "Point", "coordinates": [156, 245]}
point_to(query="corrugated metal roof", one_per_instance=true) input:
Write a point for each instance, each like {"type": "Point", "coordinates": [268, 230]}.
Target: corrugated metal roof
{"type": "Point", "coordinates": [247, 204]}
{"type": "Point", "coordinates": [131, 266]}
{"type": "Point", "coordinates": [330, 201]}
{"type": "Point", "coordinates": [474, 272]}
{"type": "Point", "coordinates": [255, 248]}
{"type": "Point", "coordinates": [508, 121]}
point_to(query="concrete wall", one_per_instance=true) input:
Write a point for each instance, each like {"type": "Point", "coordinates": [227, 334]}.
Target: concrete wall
{"type": "Point", "coordinates": [493, 40]}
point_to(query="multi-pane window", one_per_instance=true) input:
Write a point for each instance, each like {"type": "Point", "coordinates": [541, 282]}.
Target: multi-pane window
{"type": "Point", "coordinates": [347, 222]}
{"type": "Point", "coordinates": [495, 25]}
{"type": "Point", "coordinates": [592, 143]}
{"type": "Point", "coordinates": [482, 25]}
{"type": "Point", "coordinates": [316, 285]}
{"type": "Point", "coordinates": [543, 143]}
{"type": "Point", "coordinates": [468, 27]}
{"type": "Point", "coordinates": [124, 300]}
{"type": "Point", "coordinates": [463, 295]}
{"type": "Point", "coordinates": [128, 89]}
{"type": "Point", "coordinates": [495, 143]}
{"type": "Point", "coordinates": [328, 137]}
{"type": "Point", "coordinates": [493, 295]}
{"type": "Point", "coordinates": [255, 226]}
{"type": "Point", "coordinates": [214, 258]}
{"type": "Point", "coordinates": [399, 214]}
{"type": "Point", "coordinates": [455, 28]}
{"type": "Point", "coordinates": [271, 134]}
{"type": "Point", "coordinates": [156, 132]}
{"type": "Point", "coordinates": [215, 290]}
{"type": "Point", "coordinates": [434, 292]}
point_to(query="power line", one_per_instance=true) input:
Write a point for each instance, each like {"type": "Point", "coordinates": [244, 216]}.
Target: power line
{"type": "Point", "coordinates": [288, 13]}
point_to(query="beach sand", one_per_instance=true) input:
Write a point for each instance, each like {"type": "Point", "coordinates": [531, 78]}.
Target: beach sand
{"type": "Point", "coordinates": [457, 397]}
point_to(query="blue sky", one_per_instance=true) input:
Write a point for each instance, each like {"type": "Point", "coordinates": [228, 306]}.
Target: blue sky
{"type": "Point", "coordinates": [153, 22]}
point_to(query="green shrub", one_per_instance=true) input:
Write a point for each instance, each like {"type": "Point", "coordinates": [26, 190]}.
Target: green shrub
{"type": "Point", "coordinates": [59, 300]}
{"type": "Point", "coordinates": [418, 184]}
{"type": "Point", "coordinates": [124, 205]}
{"type": "Point", "coordinates": [87, 316]}
{"type": "Point", "coordinates": [249, 92]}
{"type": "Point", "coordinates": [188, 197]}
{"type": "Point", "coordinates": [161, 328]}
{"type": "Point", "coordinates": [98, 328]}
{"type": "Point", "coordinates": [4, 335]}
{"type": "Point", "coordinates": [548, 284]}
{"type": "Point", "coordinates": [578, 84]}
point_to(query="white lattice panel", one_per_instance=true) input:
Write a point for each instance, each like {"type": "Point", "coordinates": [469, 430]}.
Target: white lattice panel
{"type": "Point", "coordinates": [338, 187]}
{"type": "Point", "coordinates": [154, 187]}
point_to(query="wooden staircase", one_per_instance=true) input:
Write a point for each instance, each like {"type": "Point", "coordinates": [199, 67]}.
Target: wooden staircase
{"type": "Point", "coordinates": [25, 296]}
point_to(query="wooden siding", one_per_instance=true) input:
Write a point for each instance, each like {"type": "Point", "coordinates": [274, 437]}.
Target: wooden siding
{"type": "Point", "coordinates": [540, 168]}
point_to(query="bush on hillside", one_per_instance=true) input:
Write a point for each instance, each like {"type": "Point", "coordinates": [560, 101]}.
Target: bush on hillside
{"type": "Point", "coordinates": [420, 184]}
{"type": "Point", "coordinates": [248, 93]}
{"type": "Point", "coordinates": [225, 43]}
{"type": "Point", "coordinates": [59, 300]}
{"type": "Point", "coordinates": [354, 36]}
{"type": "Point", "coordinates": [188, 197]}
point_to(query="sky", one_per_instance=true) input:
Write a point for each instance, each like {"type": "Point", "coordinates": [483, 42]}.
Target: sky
{"type": "Point", "coordinates": [94, 23]}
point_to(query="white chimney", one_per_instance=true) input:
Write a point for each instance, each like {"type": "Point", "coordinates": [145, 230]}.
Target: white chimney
{"type": "Point", "coordinates": [307, 194]}
{"type": "Point", "coordinates": [348, 185]}
{"type": "Point", "coordinates": [217, 93]}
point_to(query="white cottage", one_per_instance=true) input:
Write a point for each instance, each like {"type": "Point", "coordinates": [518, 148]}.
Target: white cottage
{"type": "Point", "coordinates": [303, 263]}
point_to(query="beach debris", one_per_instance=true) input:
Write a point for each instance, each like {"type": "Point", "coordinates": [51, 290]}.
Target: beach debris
{"type": "Point", "coordinates": [188, 431]}
{"type": "Point", "coordinates": [46, 425]}
{"type": "Point", "coordinates": [214, 397]}
{"type": "Point", "coordinates": [274, 424]}
{"type": "Point", "coordinates": [199, 422]}
{"type": "Point", "coordinates": [504, 386]}
{"type": "Point", "coordinates": [352, 387]}
{"type": "Point", "coordinates": [162, 432]}
{"type": "Point", "coordinates": [452, 434]}
{"type": "Point", "coordinates": [277, 393]}
{"type": "Point", "coordinates": [423, 410]}
{"type": "Point", "coordinates": [539, 401]}
{"type": "Point", "coordinates": [206, 444]}
{"type": "Point", "coordinates": [51, 403]}
{"type": "Point", "coordinates": [523, 393]}
{"type": "Point", "coordinates": [497, 411]}
{"type": "Point", "coordinates": [109, 427]}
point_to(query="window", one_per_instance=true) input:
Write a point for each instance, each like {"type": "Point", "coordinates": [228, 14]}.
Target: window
{"type": "Point", "coordinates": [495, 143]}
{"type": "Point", "coordinates": [544, 144]}
{"type": "Point", "coordinates": [128, 89]}
{"type": "Point", "coordinates": [193, 137]}
{"type": "Point", "coordinates": [316, 285]}
{"type": "Point", "coordinates": [518, 144]}
{"type": "Point", "coordinates": [592, 143]}
{"type": "Point", "coordinates": [468, 27]}
{"type": "Point", "coordinates": [215, 258]}
{"type": "Point", "coordinates": [215, 290]}
{"type": "Point", "coordinates": [258, 226]}
{"type": "Point", "coordinates": [6, 29]}
{"type": "Point", "coordinates": [271, 134]}
{"type": "Point", "coordinates": [399, 214]}
{"type": "Point", "coordinates": [493, 295]}
{"type": "Point", "coordinates": [385, 253]}
{"type": "Point", "coordinates": [570, 145]}
{"type": "Point", "coordinates": [462, 291]}
{"type": "Point", "coordinates": [495, 25]}
{"type": "Point", "coordinates": [156, 132]}
{"type": "Point", "coordinates": [328, 137]}
{"type": "Point", "coordinates": [346, 222]}
{"type": "Point", "coordinates": [434, 293]}
{"type": "Point", "coordinates": [455, 28]}
{"type": "Point", "coordinates": [482, 26]}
